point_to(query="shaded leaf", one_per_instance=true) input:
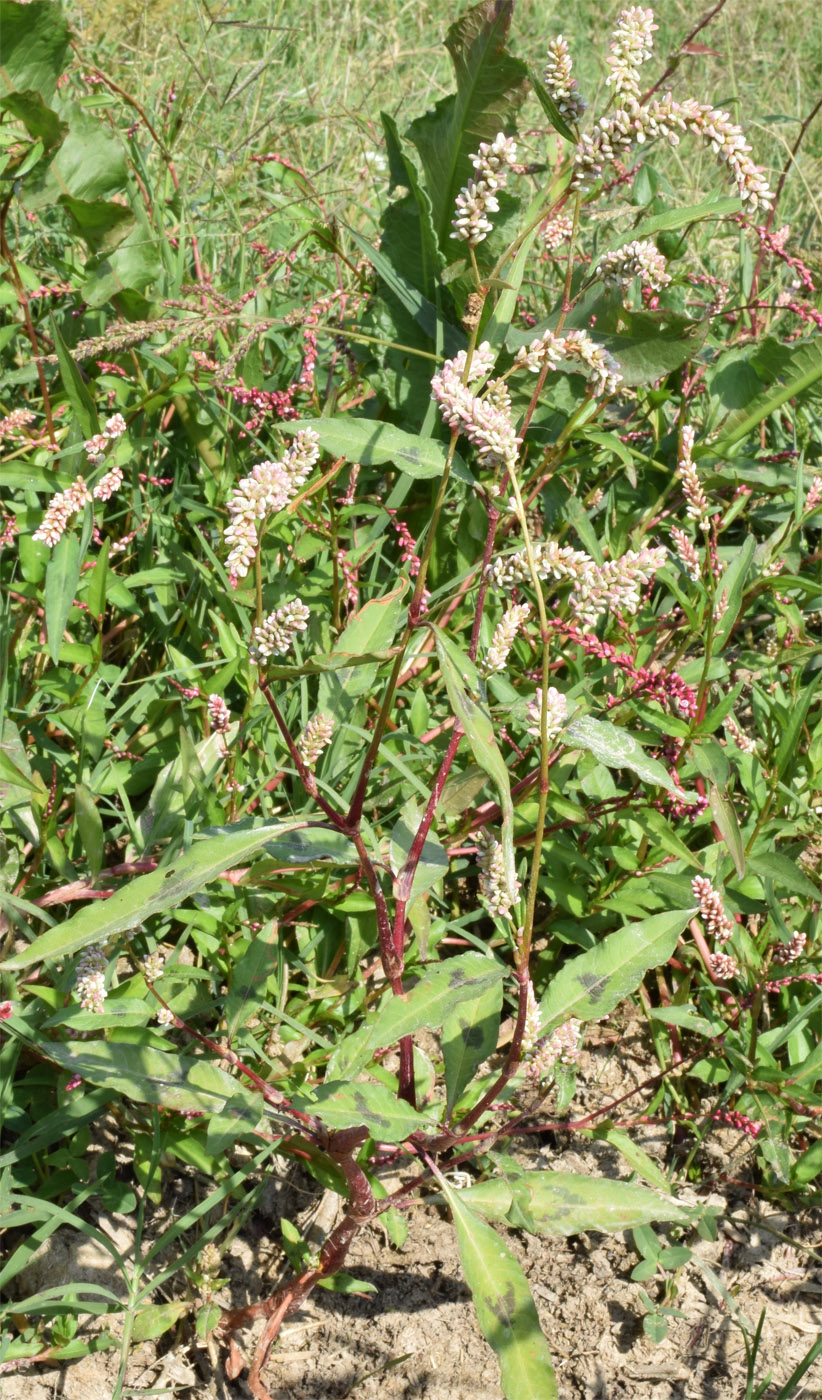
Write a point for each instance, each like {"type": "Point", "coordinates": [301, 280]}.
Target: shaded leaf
{"type": "Point", "coordinates": [373, 1106]}
{"type": "Point", "coordinates": [376, 444]}
{"type": "Point", "coordinates": [616, 748]}
{"type": "Point", "coordinates": [35, 46]}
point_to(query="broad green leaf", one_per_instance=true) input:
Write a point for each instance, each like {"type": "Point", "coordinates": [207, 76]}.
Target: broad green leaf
{"type": "Point", "coordinates": [427, 1004]}
{"type": "Point", "coordinates": [616, 748]}
{"type": "Point", "coordinates": [169, 1080]}
{"type": "Point", "coordinates": [787, 753]}
{"type": "Point", "coordinates": [424, 311]}
{"type": "Point", "coordinates": [652, 343]}
{"type": "Point", "coordinates": [800, 370]}
{"type": "Point", "coordinates": [505, 1309]}
{"type": "Point", "coordinates": [74, 386]}
{"type": "Point", "coordinates": [249, 974]}
{"type": "Point", "coordinates": [371, 630]}
{"type": "Point", "coordinates": [89, 165]}
{"type": "Point", "coordinates": [678, 218]}
{"type": "Point", "coordinates": [374, 444]}
{"type": "Point", "coordinates": [491, 86]}
{"type": "Point", "coordinates": [729, 589]}
{"type": "Point", "coordinates": [101, 225]}
{"type": "Point", "coordinates": [497, 327]}
{"type": "Point", "coordinates": [62, 575]}
{"type": "Point", "coordinates": [591, 985]}
{"type": "Point", "coordinates": [39, 120]}
{"type": "Point", "coordinates": [158, 1318]}
{"type": "Point", "coordinates": [462, 683]}
{"type": "Point", "coordinates": [90, 827]}
{"type": "Point", "coordinates": [723, 813]}
{"type": "Point", "coordinates": [634, 1155]}
{"type": "Point", "coordinates": [373, 1106]}
{"type": "Point", "coordinates": [784, 872]}
{"type": "Point", "coordinates": [469, 1036]}
{"type": "Point", "coordinates": [433, 861]}
{"type": "Point", "coordinates": [562, 1203]}
{"type": "Point", "coordinates": [35, 42]}
{"type": "Point", "coordinates": [167, 888]}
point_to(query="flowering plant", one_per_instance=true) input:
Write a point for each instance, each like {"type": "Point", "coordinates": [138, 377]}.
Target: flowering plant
{"type": "Point", "coordinates": [459, 725]}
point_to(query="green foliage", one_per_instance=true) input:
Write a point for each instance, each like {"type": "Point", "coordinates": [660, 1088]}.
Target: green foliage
{"type": "Point", "coordinates": [352, 892]}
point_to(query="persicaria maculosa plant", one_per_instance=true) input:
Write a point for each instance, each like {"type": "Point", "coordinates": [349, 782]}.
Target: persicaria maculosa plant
{"type": "Point", "coordinates": [457, 783]}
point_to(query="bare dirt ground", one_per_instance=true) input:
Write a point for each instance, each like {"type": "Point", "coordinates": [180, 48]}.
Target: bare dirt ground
{"type": "Point", "coordinates": [416, 1338]}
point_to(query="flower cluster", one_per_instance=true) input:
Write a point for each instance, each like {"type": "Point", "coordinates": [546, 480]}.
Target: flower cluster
{"type": "Point", "coordinates": [561, 1047]}
{"type": "Point", "coordinates": [556, 231]}
{"type": "Point", "coordinates": [614, 136]}
{"type": "Point", "coordinates": [276, 632]}
{"type": "Point", "coordinates": [478, 198]}
{"type": "Point", "coordinates": [712, 910]}
{"type": "Point", "coordinates": [556, 712]}
{"type": "Point", "coordinates": [743, 741]}
{"type": "Point", "coordinates": [268, 488]}
{"type": "Point", "coordinates": [486, 421]}
{"type": "Point", "coordinates": [751, 1127]}
{"type": "Point", "coordinates": [696, 502]}
{"type": "Point", "coordinates": [640, 258]}
{"type": "Point", "coordinates": [496, 657]}
{"type": "Point", "coordinates": [108, 484]}
{"type": "Point", "coordinates": [218, 714]}
{"type": "Point", "coordinates": [548, 349]}
{"type": "Point", "coordinates": [557, 75]}
{"type": "Point", "coordinates": [632, 44]}
{"type": "Point", "coordinates": [688, 557]}
{"type": "Point", "coordinates": [97, 446]}
{"type": "Point", "coordinates": [615, 584]}
{"type": "Point", "coordinates": [724, 967]}
{"type": "Point", "coordinates": [90, 979]}
{"type": "Point", "coordinates": [13, 423]}
{"type": "Point", "coordinates": [785, 953]}
{"type": "Point", "coordinates": [498, 899]}
{"type": "Point", "coordinates": [60, 510]}
{"type": "Point", "coordinates": [315, 737]}
{"type": "Point", "coordinates": [814, 496]}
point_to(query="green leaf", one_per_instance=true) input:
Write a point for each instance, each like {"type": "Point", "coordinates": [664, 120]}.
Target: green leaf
{"type": "Point", "coordinates": [634, 1155]}
{"type": "Point", "coordinates": [90, 827]}
{"type": "Point", "coordinates": [375, 444]}
{"type": "Point", "coordinates": [722, 811]}
{"type": "Point", "coordinates": [373, 1106]}
{"type": "Point", "coordinates": [591, 985]}
{"type": "Point", "coordinates": [40, 121]}
{"type": "Point", "coordinates": [505, 1308]}
{"type": "Point", "coordinates": [76, 391]}
{"type": "Point", "coordinates": [469, 1036]}
{"type": "Point", "coordinates": [249, 974]}
{"type": "Point", "coordinates": [433, 861]}
{"type": "Point", "coordinates": [168, 887]}
{"type": "Point", "coordinates": [171, 1081]}
{"type": "Point", "coordinates": [799, 370]}
{"type": "Point", "coordinates": [652, 344]}
{"type": "Point", "coordinates": [678, 218]}
{"type": "Point", "coordinates": [427, 1004]}
{"type": "Point", "coordinates": [158, 1318]}
{"type": "Point", "coordinates": [616, 748]}
{"type": "Point", "coordinates": [101, 225]}
{"type": "Point", "coordinates": [89, 165]}
{"type": "Point", "coordinates": [425, 313]}
{"type": "Point", "coordinates": [784, 872]}
{"type": "Point", "coordinates": [35, 46]}
{"type": "Point", "coordinates": [62, 577]}
{"type": "Point", "coordinates": [491, 85]}
{"type": "Point", "coordinates": [786, 754]}
{"type": "Point", "coordinates": [372, 629]}
{"type": "Point", "coordinates": [729, 587]}
{"type": "Point", "coordinates": [563, 1203]}
{"type": "Point", "coordinates": [550, 107]}
{"type": "Point", "coordinates": [457, 669]}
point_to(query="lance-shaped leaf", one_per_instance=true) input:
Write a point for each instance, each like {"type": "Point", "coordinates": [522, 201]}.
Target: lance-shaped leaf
{"type": "Point", "coordinates": [491, 85]}
{"type": "Point", "coordinates": [563, 1203]}
{"type": "Point", "coordinates": [616, 748]}
{"type": "Point", "coordinates": [426, 1005]}
{"type": "Point", "coordinates": [376, 444]}
{"type": "Point", "coordinates": [469, 1036]}
{"type": "Point", "coordinates": [371, 1106]}
{"type": "Point", "coordinates": [168, 887]}
{"type": "Point", "coordinates": [788, 373]}
{"type": "Point", "coordinates": [505, 1309]}
{"type": "Point", "coordinates": [462, 683]}
{"type": "Point", "coordinates": [168, 1080]}
{"type": "Point", "coordinates": [591, 985]}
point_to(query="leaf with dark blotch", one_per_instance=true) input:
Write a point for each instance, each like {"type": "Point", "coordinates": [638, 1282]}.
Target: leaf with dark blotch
{"type": "Point", "coordinates": [591, 985]}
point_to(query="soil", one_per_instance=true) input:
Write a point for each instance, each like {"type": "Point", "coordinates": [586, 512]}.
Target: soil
{"type": "Point", "coordinates": [417, 1338]}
